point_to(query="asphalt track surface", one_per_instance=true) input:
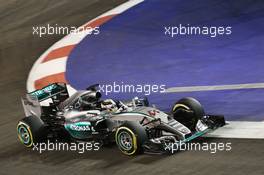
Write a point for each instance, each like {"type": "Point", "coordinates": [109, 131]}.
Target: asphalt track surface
{"type": "Point", "coordinates": [18, 51]}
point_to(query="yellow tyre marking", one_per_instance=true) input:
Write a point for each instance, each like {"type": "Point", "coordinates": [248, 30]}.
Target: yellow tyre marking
{"type": "Point", "coordinates": [180, 105]}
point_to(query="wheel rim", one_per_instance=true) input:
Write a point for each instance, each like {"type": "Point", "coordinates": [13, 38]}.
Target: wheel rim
{"type": "Point", "coordinates": [24, 134]}
{"type": "Point", "coordinates": [125, 140]}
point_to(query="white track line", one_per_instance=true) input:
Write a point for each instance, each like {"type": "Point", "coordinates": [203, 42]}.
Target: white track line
{"type": "Point", "coordinates": [240, 129]}
{"type": "Point", "coordinates": [49, 68]}
{"type": "Point", "coordinates": [215, 87]}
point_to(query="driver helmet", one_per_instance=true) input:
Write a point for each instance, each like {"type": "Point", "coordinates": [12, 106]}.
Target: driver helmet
{"type": "Point", "coordinates": [90, 99]}
{"type": "Point", "coordinates": [109, 105]}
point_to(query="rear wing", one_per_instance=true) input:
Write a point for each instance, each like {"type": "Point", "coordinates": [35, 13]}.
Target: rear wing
{"type": "Point", "coordinates": [56, 91]}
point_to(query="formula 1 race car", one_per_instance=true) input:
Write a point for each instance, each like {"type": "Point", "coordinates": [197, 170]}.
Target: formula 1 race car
{"type": "Point", "coordinates": [133, 125]}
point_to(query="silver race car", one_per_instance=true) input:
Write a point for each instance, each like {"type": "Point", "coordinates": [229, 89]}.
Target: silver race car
{"type": "Point", "coordinates": [134, 125]}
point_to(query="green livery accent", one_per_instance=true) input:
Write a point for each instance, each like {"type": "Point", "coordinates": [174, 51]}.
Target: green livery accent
{"type": "Point", "coordinates": [195, 135]}
{"type": "Point", "coordinates": [48, 91]}
{"type": "Point", "coordinates": [79, 130]}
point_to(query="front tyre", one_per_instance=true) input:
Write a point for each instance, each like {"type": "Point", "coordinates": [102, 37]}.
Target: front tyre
{"type": "Point", "coordinates": [188, 111]}
{"type": "Point", "coordinates": [30, 130]}
{"type": "Point", "coordinates": [130, 138]}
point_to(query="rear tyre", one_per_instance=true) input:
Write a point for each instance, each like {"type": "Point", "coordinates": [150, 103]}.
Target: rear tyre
{"type": "Point", "coordinates": [30, 130]}
{"type": "Point", "coordinates": [130, 138]}
{"type": "Point", "coordinates": [188, 111]}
